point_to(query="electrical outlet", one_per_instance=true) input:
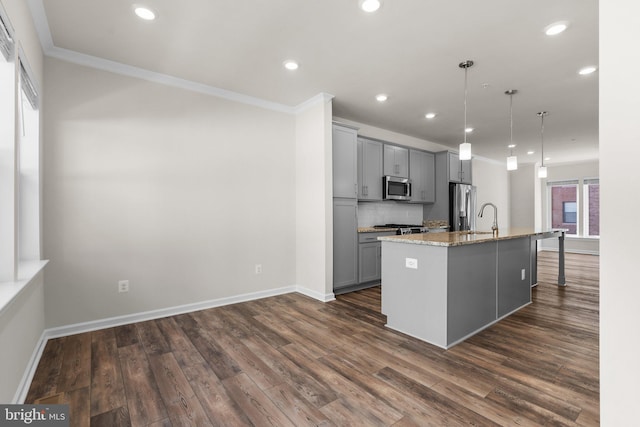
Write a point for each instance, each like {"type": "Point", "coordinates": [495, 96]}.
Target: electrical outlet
{"type": "Point", "coordinates": [523, 274]}
{"type": "Point", "coordinates": [411, 263]}
{"type": "Point", "coordinates": [123, 286]}
{"type": "Point", "coordinates": [258, 268]}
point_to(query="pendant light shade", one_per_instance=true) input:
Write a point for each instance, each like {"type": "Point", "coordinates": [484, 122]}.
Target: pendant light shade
{"type": "Point", "coordinates": [465, 147]}
{"type": "Point", "coordinates": [512, 161]}
{"type": "Point", "coordinates": [542, 170]}
{"type": "Point", "coordinates": [465, 151]}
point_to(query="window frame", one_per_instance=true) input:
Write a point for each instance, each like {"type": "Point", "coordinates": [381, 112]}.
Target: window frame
{"type": "Point", "coordinates": [585, 208]}
{"type": "Point", "coordinates": [563, 183]}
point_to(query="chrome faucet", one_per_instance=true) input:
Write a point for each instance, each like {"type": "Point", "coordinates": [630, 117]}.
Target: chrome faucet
{"type": "Point", "coordinates": [494, 227]}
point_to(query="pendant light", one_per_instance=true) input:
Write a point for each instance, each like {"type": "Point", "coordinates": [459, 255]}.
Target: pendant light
{"type": "Point", "coordinates": [465, 147]}
{"type": "Point", "coordinates": [512, 161]}
{"type": "Point", "coordinates": [542, 171]}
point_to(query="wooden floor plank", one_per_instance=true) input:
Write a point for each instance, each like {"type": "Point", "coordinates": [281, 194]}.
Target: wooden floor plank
{"type": "Point", "coordinates": [218, 406]}
{"type": "Point", "coordinates": [299, 410]}
{"type": "Point", "coordinates": [45, 379]}
{"type": "Point", "coordinates": [291, 360]}
{"type": "Point", "coordinates": [183, 406]}
{"type": "Point", "coordinates": [107, 388]}
{"type": "Point", "coordinates": [76, 363]}
{"type": "Point", "coordinates": [143, 397]}
{"type": "Point", "coordinates": [257, 405]}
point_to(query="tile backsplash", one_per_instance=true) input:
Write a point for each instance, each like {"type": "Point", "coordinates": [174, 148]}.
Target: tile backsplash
{"type": "Point", "coordinates": [378, 213]}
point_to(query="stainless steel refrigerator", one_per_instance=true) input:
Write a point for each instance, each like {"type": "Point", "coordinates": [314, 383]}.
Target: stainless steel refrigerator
{"type": "Point", "coordinates": [462, 207]}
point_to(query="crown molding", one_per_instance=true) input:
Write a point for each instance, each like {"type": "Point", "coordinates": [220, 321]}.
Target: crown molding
{"type": "Point", "coordinates": [49, 49]}
{"type": "Point", "coordinates": [321, 98]}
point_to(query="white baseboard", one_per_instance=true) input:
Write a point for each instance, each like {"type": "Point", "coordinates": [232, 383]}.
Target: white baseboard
{"type": "Point", "coordinates": [316, 295]}
{"type": "Point", "coordinates": [30, 371]}
{"type": "Point", "coordinates": [94, 325]}
{"type": "Point", "coordinates": [573, 251]}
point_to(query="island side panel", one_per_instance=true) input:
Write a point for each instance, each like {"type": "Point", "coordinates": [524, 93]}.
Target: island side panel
{"type": "Point", "coordinates": [472, 292]}
{"type": "Point", "coordinates": [514, 291]}
{"type": "Point", "coordinates": [415, 300]}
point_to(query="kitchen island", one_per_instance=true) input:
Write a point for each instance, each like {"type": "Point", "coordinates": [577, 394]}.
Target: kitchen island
{"type": "Point", "coordinates": [444, 287]}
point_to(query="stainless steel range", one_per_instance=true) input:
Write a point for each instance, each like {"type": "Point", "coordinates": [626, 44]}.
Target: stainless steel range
{"type": "Point", "coordinates": [402, 229]}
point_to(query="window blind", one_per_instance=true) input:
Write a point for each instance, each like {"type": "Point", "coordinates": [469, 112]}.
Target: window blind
{"type": "Point", "coordinates": [6, 42]}
{"type": "Point", "coordinates": [28, 88]}
{"type": "Point", "coordinates": [567, 182]}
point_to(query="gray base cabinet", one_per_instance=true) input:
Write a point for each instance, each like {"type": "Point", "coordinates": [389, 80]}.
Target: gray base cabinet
{"type": "Point", "coordinates": [443, 295]}
{"type": "Point", "coordinates": [369, 262]}
{"type": "Point", "coordinates": [471, 291]}
{"type": "Point", "coordinates": [514, 287]}
{"type": "Point", "coordinates": [345, 242]}
{"type": "Point", "coordinates": [370, 256]}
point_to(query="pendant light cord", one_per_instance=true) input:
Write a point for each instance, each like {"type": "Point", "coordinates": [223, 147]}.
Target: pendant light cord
{"type": "Point", "coordinates": [465, 104]}
{"type": "Point", "coordinates": [542, 137]}
{"type": "Point", "coordinates": [511, 121]}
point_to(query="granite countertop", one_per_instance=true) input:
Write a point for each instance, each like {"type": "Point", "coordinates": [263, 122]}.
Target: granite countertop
{"type": "Point", "coordinates": [375, 230]}
{"type": "Point", "coordinates": [458, 238]}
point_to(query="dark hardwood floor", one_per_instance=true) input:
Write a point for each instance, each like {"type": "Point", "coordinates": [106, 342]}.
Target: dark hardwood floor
{"type": "Point", "coordinates": [292, 361]}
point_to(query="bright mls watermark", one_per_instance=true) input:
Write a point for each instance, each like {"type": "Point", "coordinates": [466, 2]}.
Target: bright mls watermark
{"type": "Point", "coordinates": [34, 415]}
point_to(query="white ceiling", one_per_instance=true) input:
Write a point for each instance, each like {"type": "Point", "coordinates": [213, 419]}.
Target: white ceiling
{"type": "Point", "coordinates": [409, 49]}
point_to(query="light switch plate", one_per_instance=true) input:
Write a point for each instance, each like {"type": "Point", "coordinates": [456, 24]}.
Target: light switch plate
{"type": "Point", "coordinates": [411, 263]}
{"type": "Point", "coordinates": [523, 274]}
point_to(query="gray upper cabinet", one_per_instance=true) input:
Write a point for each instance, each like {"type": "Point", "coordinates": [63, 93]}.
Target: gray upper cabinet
{"type": "Point", "coordinates": [396, 161]}
{"type": "Point", "coordinates": [459, 171]}
{"type": "Point", "coordinates": [422, 172]}
{"type": "Point", "coordinates": [369, 169]}
{"type": "Point", "coordinates": [345, 165]}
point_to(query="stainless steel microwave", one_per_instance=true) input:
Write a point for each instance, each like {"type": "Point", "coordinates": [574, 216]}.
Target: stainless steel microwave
{"type": "Point", "coordinates": [396, 188]}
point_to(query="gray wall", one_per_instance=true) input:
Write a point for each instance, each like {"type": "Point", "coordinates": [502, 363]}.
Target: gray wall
{"type": "Point", "coordinates": [523, 196]}
{"type": "Point", "coordinates": [178, 192]}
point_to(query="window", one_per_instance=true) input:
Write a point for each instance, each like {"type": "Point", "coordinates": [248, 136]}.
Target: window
{"type": "Point", "coordinates": [591, 192]}
{"type": "Point", "coordinates": [569, 212]}
{"type": "Point", "coordinates": [19, 161]}
{"type": "Point", "coordinates": [29, 170]}
{"type": "Point", "coordinates": [7, 150]}
{"type": "Point", "coordinates": [564, 205]}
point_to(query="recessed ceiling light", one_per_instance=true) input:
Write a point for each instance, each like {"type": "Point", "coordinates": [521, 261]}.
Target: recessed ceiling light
{"type": "Point", "coordinates": [369, 5]}
{"type": "Point", "coordinates": [468, 130]}
{"type": "Point", "coordinates": [381, 97]}
{"type": "Point", "coordinates": [430, 115]}
{"type": "Point", "coordinates": [556, 28]}
{"type": "Point", "coordinates": [546, 159]}
{"type": "Point", "coordinates": [587, 70]}
{"type": "Point", "coordinates": [290, 64]}
{"type": "Point", "coordinates": [530, 152]}
{"type": "Point", "coordinates": [511, 146]}
{"type": "Point", "coordinates": [144, 13]}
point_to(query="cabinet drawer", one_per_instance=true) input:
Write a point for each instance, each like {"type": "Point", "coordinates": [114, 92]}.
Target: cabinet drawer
{"type": "Point", "coordinates": [373, 237]}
